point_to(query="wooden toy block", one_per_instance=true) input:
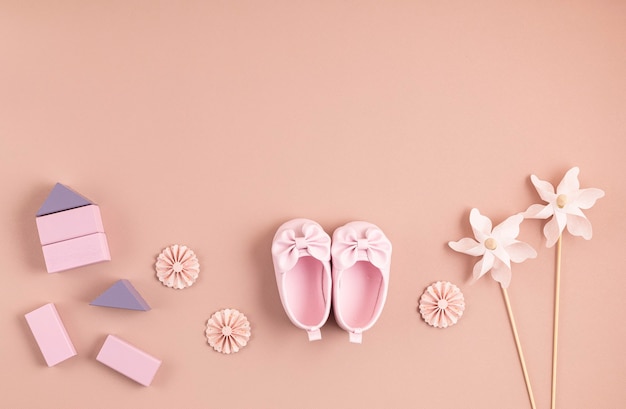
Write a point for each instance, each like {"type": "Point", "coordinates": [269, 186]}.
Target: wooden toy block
{"type": "Point", "coordinates": [77, 252]}
{"type": "Point", "coordinates": [122, 294]}
{"type": "Point", "coordinates": [128, 360]}
{"type": "Point", "coordinates": [62, 198]}
{"type": "Point", "coordinates": [69, 224]}
{"type": "Point", "coordinates": [50, 334]}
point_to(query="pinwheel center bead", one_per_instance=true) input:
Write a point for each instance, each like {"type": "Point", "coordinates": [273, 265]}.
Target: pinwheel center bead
{"type": "Point", "coordinates": [301, 243]}
{"type": "Point", "coordinates": [442, 304]}
{"type": "Point", "coordinates": [361, 244]}
{"type": "Point", "coordinates": [561, 201]}
{"type": "Point", "coordinates": [491, 244]}
{"type": "Point", "coordinates": [177, 267]}
{"type": "Point", "coordinates": [227, 331]}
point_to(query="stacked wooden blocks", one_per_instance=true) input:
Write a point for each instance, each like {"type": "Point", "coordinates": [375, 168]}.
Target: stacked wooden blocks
{"type": "Point", "coordinates": [70, 231]}
{"type": "Point", "coordinates": [71, 235]}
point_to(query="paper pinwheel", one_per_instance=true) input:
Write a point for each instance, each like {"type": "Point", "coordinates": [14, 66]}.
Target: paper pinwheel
{"type": "Point", "coordinates": [498, 247]}
{"type": "Point", "coordinates": [565, 205]}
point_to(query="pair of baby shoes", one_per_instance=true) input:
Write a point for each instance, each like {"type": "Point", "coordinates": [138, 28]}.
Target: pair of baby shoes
{"type": "Point", "coordinates": [357, 282]}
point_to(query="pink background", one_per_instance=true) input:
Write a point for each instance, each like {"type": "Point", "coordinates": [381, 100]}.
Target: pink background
{"type": "Point", "coordinates": [209, 123]}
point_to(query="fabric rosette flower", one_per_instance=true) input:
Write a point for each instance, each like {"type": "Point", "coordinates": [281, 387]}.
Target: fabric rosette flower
{"type": "Point", "coordinates": [442, 304]}
{"type": "Point", "coordinates": [177, 267]}
{"type": "Point", "coordinates": [498, 246]}
{"type": "Point", "coordinates": [228, 331]}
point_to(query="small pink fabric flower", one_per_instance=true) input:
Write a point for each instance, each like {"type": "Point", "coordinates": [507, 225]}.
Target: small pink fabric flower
{"type": "Point", "coordinates": [442, 304]}
{"type": "Point", "coordinates": [564, 205]}
{"type": "Point", "coordinates": [177, 267]}
{"type": "Point", "coordinates": [228, 331]}
{"type": "Point", "coordinates": [498, 246]}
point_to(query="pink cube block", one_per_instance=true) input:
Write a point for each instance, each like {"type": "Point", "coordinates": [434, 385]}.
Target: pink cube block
{"type": "Point", "coordinates": [77, 252]}
{"type": "Point", "coordinates": [128, 360]}
{"type": "Point", "coordinates": [50, 334]}
{"type": "Point", "coordinates": [69, 224]}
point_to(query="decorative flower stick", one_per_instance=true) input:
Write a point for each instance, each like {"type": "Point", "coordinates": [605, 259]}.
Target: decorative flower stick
{"type": "Point", "coordinates": [498, 248]}
{"type": "Point", "coordinates": [564, 206]}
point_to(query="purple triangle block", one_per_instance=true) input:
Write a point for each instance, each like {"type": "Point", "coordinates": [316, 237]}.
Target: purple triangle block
{"type": "Point", "coordinates": [62, 198]}
{"type": "Point", "coordinates": [121, 294]}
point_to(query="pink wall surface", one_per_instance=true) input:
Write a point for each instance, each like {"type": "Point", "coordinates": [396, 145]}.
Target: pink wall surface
{"type": "Point", "coordinates": [210, 123]}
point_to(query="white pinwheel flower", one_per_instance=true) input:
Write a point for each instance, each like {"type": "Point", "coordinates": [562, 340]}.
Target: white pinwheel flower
{"type": "Point", "coordinates": [498, 246]}
{"type": "Point", "coordinates": [565, 205]}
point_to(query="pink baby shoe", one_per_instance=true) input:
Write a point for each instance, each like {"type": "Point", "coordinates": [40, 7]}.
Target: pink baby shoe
{"type": "Point", "coordinates": [301, 255]}
{"type": "Point", "coordinates": [361, 256]}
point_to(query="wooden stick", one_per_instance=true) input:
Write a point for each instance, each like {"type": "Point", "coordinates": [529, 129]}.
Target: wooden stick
{"type": "Point", "coordinates": [519, 347]}
{"type": "Point", "coordinates": [555, 332]}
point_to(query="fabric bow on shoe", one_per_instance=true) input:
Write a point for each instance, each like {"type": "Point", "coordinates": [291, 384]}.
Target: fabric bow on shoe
{"type": "Point", "coordinates": [347, 246]}
{"type": "Point", "coordinates": [286, 248]}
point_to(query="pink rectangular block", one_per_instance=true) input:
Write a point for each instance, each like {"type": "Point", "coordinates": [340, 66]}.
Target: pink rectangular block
{"type": "Point", "coordinates": [69, 224]}
{"type": "Point", "coordinates": [128, 360]}
{"type": "Point", "coordinates": [76, 252]}
{"type": "Point", "coordinates": [50, 334]}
